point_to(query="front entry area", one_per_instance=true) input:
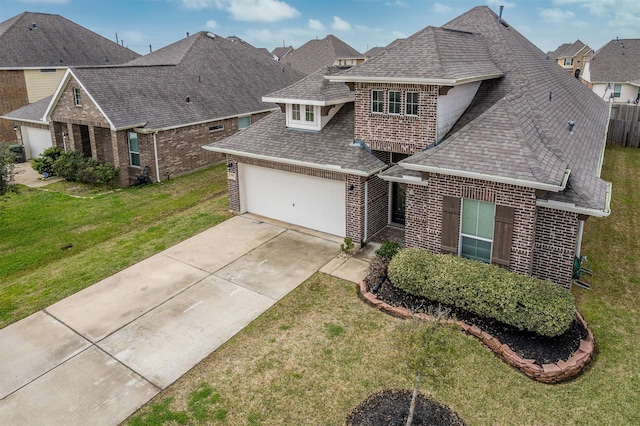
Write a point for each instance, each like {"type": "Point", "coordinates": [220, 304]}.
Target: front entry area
{"type": "Point", "coordinates": [308, 201]}
{"type": "Point", "coordinates": [398, 193]}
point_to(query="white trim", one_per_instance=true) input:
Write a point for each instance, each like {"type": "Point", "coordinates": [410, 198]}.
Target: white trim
{"type": "Point", "coordinates": [155, 154]}
{"type": "Point", "coordinates": [32, 68]}
{"type": "Point", "coordinates": [308, 101]}
{"type": "Point", "coordinates": [330, 167]}
{"type": "Point", "coordinates": [490, 178]}
{"type": "Point", "coordinates": [197, 123]}
{"type": "Point", "coordinates": [24, 120]}
{"type": "Point", "coordinates": [569, 207]}
{"type": "Point", "coordinates": [411, 80]}
{"type": "Point", "coordinates": [412, 180]}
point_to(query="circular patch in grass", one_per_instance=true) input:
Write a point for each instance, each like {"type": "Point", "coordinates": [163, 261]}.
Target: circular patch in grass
{"type": "Point", "coordinates": [391, 408]}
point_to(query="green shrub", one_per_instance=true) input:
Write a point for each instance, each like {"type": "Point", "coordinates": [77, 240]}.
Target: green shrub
{"type": "Point", "coordinates": [44, 163]}
{"type": "Point", "coordinates": [68, 165]}
{"type": "Point", "coordinates": [521, 301]}
{"type": "Point", "coordinates": [96, 173]}
{"type": "Point", "coordinates": [388, 249]}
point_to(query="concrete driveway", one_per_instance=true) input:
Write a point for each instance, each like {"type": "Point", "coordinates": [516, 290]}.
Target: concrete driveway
{"type": "Point", "coordinates": [97, 356]}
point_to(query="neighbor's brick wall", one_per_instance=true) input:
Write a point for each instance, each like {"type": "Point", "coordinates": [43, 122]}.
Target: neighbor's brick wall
{"type": "Point", "coordinates": [13, 95]}
{"type": "Point", "coordinates": [377, 205]}
{"type": "Point", "coordinates": [424, 213]}
{"type": "Point", "coordinates": [555, 244]}
{"type": "Point", "coordinates": [397, 133]}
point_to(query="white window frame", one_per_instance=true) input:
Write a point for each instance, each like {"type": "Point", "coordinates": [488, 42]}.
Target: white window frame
{"type": "Point", "coordinates": [619, 92]}
{"type": "Point", "coordinates": [241, 118]}
{"type": "Point", "coordinates": [476, 237]}
{"type": "Point", "coordinates": [568, 62]}
{"type": "Point", "coordinates": [410, 106]}
{"type": "Point", "coordinates": [77, 99]}
{"type": "Point", "coordinates": [131, 151]}
{"type": "Point", "coordinates": [309, 112]}
{"type": "Point", "coordinates": [377, 102]}
{"type": "Point", "coordinates": [295, 112]}
{"type": "Point", "coordinates": [396, 102]}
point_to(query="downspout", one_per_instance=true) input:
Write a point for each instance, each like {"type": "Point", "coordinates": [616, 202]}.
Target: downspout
{"type": "Point", "coordinates": [155, 155]}
{"type": "Point", "coordinates": [64, 141]}
{"type": "Point", "coordinates": [366, 210]}
{"type": "Point", "coordinates": [579, 238]}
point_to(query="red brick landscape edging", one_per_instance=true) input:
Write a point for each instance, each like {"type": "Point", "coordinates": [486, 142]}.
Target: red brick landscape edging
{"type": "Point", "coordinates": [546, 373]}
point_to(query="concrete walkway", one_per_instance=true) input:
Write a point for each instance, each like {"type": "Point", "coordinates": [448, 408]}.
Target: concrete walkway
{"type": "Point", "coordinates": [98, 355]}
{"type": "Point", "coordinates": [25, 175]}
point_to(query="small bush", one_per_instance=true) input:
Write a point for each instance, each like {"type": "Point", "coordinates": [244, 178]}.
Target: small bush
{"type": "Point", "coordinates": [521, 301]}
{"type": "Point", "coordinates": [347, 246]}
{"type": "Point", "coordinates": [75, 167]}
{"type": "Point", "coordinates": [68, 165]}
{"type": "Point", "coordinates": [44, 163]}
{"type": "Point", "coordinates": [388, 249]}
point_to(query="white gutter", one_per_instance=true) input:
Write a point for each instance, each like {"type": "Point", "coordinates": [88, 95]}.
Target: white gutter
{"type": "Point", "coordinates": [155, 155]}
{"type": "Point", "coordinates": [490, 178]}
{"type": "Point", "coordinates": [579, 238]}
{"type": "Point", "coordinates": [308, 101]}
{"type": "Point", "coordinates": [412, 180]}
{"type": "Point", "coordinates": [569, 207]}
{"type": "Point", "coordinates": [411, 80]}
{"type": "Point", "coordinates": [24, 120]}
{"type": "Point", "coordinates": [604, 141]}
{"type": "Point", "coordinates": [329, 167]}
{"type": "Point", "coordinates": [178, 126]}
{"type": "Point", "coordinates": [34, 68]}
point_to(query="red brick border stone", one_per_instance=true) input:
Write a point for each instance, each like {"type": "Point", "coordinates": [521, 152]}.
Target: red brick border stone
{"type": "Point", "coordinates": [546, 373]}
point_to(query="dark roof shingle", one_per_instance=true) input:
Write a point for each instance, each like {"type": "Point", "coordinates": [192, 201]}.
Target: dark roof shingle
{"type": "Point", "coordinates": [617, 61]}
{"type": "Point", "coordinates": [316, 54]}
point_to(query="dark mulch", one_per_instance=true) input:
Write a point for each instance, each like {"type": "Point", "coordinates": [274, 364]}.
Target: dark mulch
{"type": "Point", "coordinates": [543, 350]}
{"type": "Point", "coordinates": [391, 407]}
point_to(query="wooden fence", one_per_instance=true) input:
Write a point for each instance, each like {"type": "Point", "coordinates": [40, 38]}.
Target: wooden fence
{"type": "Point", "coordinates": [624, 125]}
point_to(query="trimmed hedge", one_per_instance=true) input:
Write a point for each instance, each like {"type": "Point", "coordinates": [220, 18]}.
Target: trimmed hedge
{"type": "Point", "coordinates": [521, 301]}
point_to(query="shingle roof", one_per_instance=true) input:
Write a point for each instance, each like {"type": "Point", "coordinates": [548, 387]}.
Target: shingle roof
{"type": "Point", "coordinates": [31, 112]}
{"type": "Point", "coordinates": [513, 130]}
{"type": "Point", "coordinates": [281, 52]}
{"type": "Point", "coordinates": [316, 54]}
{"type": "Point", "coordinates": [221, 78]}
{"type": "Point", "coordinates": [430, 54]}
{"type": "Point", "coordinates": [330, 148]}
{"type": "Point", "coordinates": [617, 61]}
{"type": "Point", "coordinates": [567, 50]}
{"type": "Point", "coordinates": [315, 88]}
{"type": "Point", "coordinates": [55, 42]}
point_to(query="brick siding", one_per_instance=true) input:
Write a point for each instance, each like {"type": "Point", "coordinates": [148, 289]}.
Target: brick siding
{"type": "Point", "coordinates": [14, 95]}
{"type": "Point", "coordinates": [377, 205]}
{"type": "Point", "coordinates": [424, 213]}
{"type": "Point", "coordinates": [398, 133]}
{"type": "Point", "coordinates": [555, 243]}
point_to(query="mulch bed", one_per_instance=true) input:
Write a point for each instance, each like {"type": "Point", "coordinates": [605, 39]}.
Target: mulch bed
{"type": "Point", "coordinates": [543, 350]}
{"type": "Point", "coordinates": [391, 407]}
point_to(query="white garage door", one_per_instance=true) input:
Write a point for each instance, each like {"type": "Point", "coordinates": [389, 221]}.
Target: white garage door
{"type": "Point", "coordinates": [35, 141]}
{"type": "Point", "coordinates": [302, 200]}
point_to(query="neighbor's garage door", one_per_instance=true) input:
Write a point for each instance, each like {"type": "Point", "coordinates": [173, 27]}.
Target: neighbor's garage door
{"type": "Point", "coordinates": [35, 141]}
{"type": "Point", "coordinates": [307, 201]}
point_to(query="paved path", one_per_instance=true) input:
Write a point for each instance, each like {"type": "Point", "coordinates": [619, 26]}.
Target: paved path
{"type": "Point", "coordinates": [98, 355]}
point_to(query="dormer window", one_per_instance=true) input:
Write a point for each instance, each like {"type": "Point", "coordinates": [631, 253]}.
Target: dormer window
{"type": "Point", "coordinates": [309, 113]}
{"type": "Point", "coordinates": [295, 112]}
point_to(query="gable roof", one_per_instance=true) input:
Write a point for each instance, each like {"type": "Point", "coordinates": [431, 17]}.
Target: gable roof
{"type": "Point", "coordinates": [197, 79]}
{"type": "Point", "coordinates": [515, 130]}
{"type": "Point", "coordinates": [617, 61]}
{"type": "Point", "coordinates": [33, 112]}
{"type": "Point", "coordinates": [314, 90]}
{"type": "Point", "coordinates": [330, 149]}
{"type": "Point", "coordinates": [281, 52]}
{"type": "Point", "coordinates": [568, 50]}
{"type": "Point", "coordinates": [316, 54]}
{"type": "Point", "coordinates": [44, 40]}
{"type": "Point", "coordinates": [430, 56]}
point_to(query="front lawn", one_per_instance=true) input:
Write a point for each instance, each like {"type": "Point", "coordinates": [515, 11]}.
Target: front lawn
{"type": "Point", "coordinates": [53, 244]}
{"type": "Point", "coordinates": [321, 350]}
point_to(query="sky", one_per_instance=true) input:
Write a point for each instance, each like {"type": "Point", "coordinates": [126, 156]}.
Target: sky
{"type": "Point", "coordinates": [362, 24]}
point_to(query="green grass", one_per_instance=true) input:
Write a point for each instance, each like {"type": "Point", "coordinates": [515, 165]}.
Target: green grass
{"type": "Point", "coordinates": [54, 244]}
{"type": "Point", "coordinates": [321, 351]}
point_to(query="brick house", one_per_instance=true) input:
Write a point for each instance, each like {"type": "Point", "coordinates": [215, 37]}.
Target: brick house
{"type": "Point", "coordinates": [318, 53]}
{"type": "Point", "coordinates": [36, 50]}
{"type": "Point", "coordinates": [572, 57]}
{"type": "Point", "coordinates": [158, 110]}
{"type": "Point", "coordinates": [466, 135]}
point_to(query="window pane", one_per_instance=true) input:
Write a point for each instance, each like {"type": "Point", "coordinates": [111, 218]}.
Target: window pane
{"type": "Point", "coordinates": [133, 142]}
{"type": "Point", "coordinates": [295, 111]}
{"type": "Point", "coordinates": [486, 213]}
{"type": "Point", "coordinates": [309, 113]}
{"type": "Point", "coordinates": [244, 122]}
{"type": "Point", "coordinates": [617, 89]}
{"type": "Point", "coordinates": [476, 249]}
{"type": "Point", "coordinates": [394, 102]}
{"type": "Point", "coordinates": [469, 217]}
{"type": "Point", "coordinates": [135, 159]}
{"type": "Point", "coordinates": [377, 101]}
{"type": "Point", "coordinates": [411, 107]}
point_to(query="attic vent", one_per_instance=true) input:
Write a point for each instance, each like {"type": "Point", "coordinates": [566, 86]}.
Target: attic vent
{"type": "Point", "coordinates": [211, 35]}
{"type": "Point", "coordinates": [188, 99]}
{"type": "Point", "coordinates": [33, 27]}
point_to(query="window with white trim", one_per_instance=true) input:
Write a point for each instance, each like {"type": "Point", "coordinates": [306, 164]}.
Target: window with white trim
{"type": "Point", "coordinates": [568, 61]}
{"type": "Point", "coordinates": [244, 122]}
{"type": "Point", "coordinates": [411, 103]}
{"type": "Point", "coordinates": [295, 112]}
{"type": "Point", "coordinates": [77, 100]}
{"type": "Point", "coordinates": [476, 229]}
{"type": "Point", "coordinates": [394, 102]}
{"type": "Point", "coordinates": [309, 115]}
{"type": "Point", "coordinates": [617, 90]}
{"type": "Point", "coordinates": [134, 149]}
{"type": "Point", "coordinates": [377, 101]}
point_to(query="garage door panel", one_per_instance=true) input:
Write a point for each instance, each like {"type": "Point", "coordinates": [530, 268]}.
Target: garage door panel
{"type": "Point", "coordinates": [302, 200]}
{"type": "Point", "coordinates": [35, 141]}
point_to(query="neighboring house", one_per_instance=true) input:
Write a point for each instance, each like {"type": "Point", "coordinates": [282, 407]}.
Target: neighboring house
{"type": "Point", "coordinates": [158, 110]}
{"type": "Point", "coordinates": [279, 53]}
{"type": "Point", "coordinates": [375, 51]}
{"type": "Point", "coordinates": [572, 57]}
{"type": "Point", "coordinates": [36, 49]}
{"type": "Point", "coordinates": [613, 72]}
{"type": "Point", "coordinates": [466, 135]}
{"type": "Point", "coordinates": [315, 54]}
